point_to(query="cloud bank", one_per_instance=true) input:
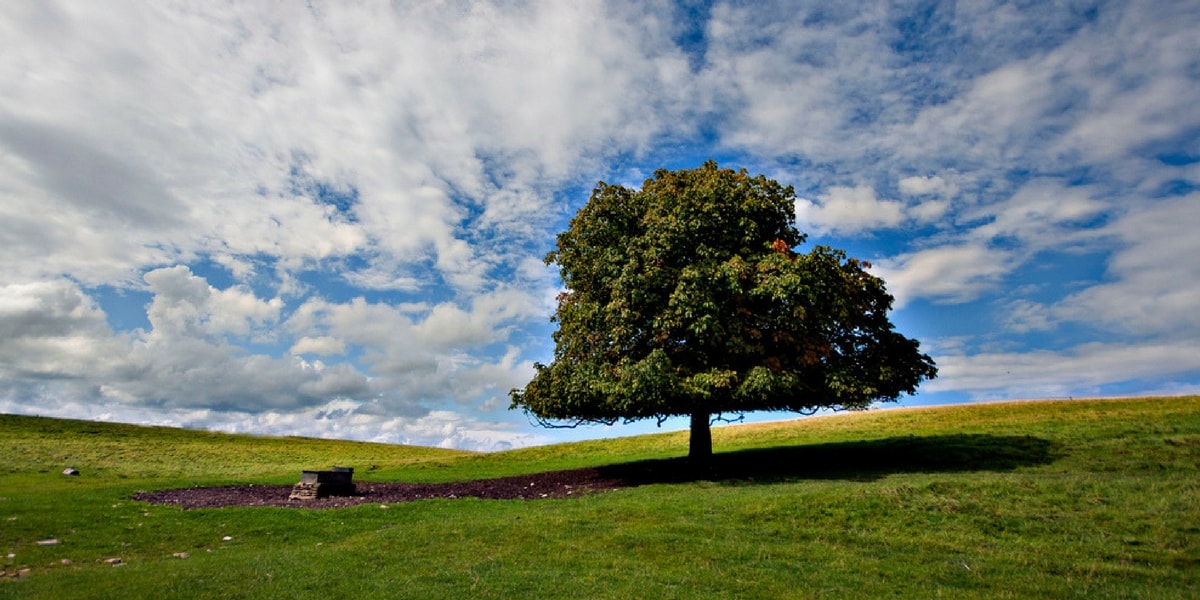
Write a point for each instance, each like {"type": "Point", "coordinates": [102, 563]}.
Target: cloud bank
{"type": "Point", "coordinates": [330, 221]}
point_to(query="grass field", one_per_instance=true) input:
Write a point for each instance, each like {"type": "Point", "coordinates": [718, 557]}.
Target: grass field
{"type": "Point", "coordinates": [1075, 499]}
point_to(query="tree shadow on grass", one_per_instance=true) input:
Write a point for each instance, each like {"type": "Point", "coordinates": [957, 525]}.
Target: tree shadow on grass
{"type": "Point", "coordinates": [858, 461]}
{"type": "Point", "coordinates": [855, 460]}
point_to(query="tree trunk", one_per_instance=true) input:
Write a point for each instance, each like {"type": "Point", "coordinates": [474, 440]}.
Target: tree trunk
{"type": "Point", "coordinates": [700, 444]}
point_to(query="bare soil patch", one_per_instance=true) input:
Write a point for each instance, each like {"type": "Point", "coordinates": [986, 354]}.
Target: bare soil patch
{"type": "Point", "coordinates": [864, 460]}
{"type": "Point", "coordinates": [554, 484]}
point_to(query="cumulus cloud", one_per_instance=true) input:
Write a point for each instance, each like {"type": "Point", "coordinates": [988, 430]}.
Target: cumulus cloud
{"type": "Point", "coordinates": [59, 336]}
{"type": "Point", "coordinates": [51, 330]}
{"type": "Point", "coordinates": [801, 79]}
{"type": "Point", "coordinates": [323, 345]}
{"type": "Point", "coordinates": [1153, 282]}
{"type": "Point", "coordinates": [186, 304]}
{"type": "Point", "coordinates": [931, 185]}
{"type": "Point", "coordinates": [1042, 213]}
{"type": "Point", "coordinates": [948, 273]}
{"type": "Point", "coordinates": [421, 354]}
{"type": "Point", "coordinates": [414, 150]}
{"type": "Point", "coordinates": [849, 210]}
{"type": "Point", "coordinates": [337, 213]}
{"type": "Point", "coordinates": [57, 342]}
{"type": "Point", "coordinates": [87, 178]}
{"type": "Point", "coordinates": [212, 115]}
{"type": "Point", "coordinates": [933, 196]}
{"type": "Point", "coordinates": [1024, 316]}
{"type": "Point", "coordinates": [1001, 237]}
{"type": "Point", "coordinates": [1079, 370]}
{"type": "Point", "coordinates": [337, 419]}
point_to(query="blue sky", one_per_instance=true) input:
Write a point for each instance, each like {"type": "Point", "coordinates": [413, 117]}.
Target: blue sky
{"type": "Point", "coordinates": [328, 220]}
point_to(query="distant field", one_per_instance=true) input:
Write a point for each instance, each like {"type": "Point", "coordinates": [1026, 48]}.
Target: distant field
{"type": "Point", "coordinates": [1071, 499]}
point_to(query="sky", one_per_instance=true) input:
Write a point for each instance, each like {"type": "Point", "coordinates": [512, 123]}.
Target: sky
{"type": "Point", "coordinates": [328, 219]}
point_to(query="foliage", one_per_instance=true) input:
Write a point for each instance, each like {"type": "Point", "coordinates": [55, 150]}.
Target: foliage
{"type": "Point", "coordinates": [688, 298]}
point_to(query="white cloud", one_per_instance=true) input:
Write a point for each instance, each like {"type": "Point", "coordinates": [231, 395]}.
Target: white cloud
{"type": "Point", "coordinates": [206, 116]}
{"type": "Point", "coordinates": [1079, 370]}
{"type": "Point", "coordinates": [59, 337]}
{"type": "Point", "coordinates": [424, 354]}
{"type": "Point", "coordinates": [337, 419]}
{"type": "Point", "coordinates": [1138, 91]}
{"type": "Point", "coordinates": [421, 155]}
{"type": "Point", "coordinates": [51, 330]}
{"type": "Point", "coordinates": [799, 79]}
{"type": "Point", "coordinates": [1042, 213]}
{"type": "Point", "coordinates": [1148, 291]}
{"type": "Point", "coordinates": [1004, 235]}
{"type": "Point", "coordinates": [1153, 279]}
{"type": "Point", "coordinates": [418, 144]}
{"type": "Point", "coordinates": [323, 345]}
{"type": "Point", "coordinates": [849, 210]}
{"type": "Point", "coordinates": [1025, 316]}
{"type": "Point", "coordinates": [45, 308]}
{"type": "Point", "coordinates": [932, 185]}
{"type": "Point", "coordinates": [185, 303]}
{"type": "Point", "coordinates": [954, 274]}
{"type": "Point", "coordinates": [933, 195]}
{"type": "Point", "coordinates": [1093, 92]}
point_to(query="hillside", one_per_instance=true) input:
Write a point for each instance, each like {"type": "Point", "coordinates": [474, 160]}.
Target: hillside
{"type": "Point", "coordinates": [1078, 498]}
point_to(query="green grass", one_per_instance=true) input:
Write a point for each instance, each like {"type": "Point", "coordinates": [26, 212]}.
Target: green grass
{"type": "Point", "coordinates": [1079, 499]}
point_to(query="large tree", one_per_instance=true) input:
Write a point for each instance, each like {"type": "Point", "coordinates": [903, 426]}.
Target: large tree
{"type": "Point", "coordinates": [689, 298]}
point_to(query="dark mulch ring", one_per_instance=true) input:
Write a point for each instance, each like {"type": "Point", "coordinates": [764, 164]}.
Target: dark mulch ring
{"type": "Point", "coordinates": [555, 484]}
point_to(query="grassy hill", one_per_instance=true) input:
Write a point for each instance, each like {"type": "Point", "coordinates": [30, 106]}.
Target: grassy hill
{"type": "Point", "coordinates": [1088, 499]}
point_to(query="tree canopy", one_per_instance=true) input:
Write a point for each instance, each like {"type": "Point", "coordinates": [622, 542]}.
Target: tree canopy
{"type": "Point", "coordinates": [689, 298]}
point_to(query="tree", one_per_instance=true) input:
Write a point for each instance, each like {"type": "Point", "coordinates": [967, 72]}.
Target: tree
{"type": "Point", "coordinates": [688, 298]}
